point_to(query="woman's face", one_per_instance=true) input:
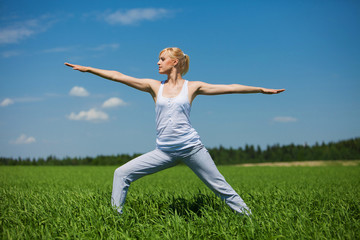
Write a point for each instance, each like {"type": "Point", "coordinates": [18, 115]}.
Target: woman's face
{"type": "Point", "coordinates": [165, 63]}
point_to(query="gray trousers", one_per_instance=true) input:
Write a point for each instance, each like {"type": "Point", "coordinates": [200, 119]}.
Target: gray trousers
{"type": "Point", "coordinates": [197, 158]}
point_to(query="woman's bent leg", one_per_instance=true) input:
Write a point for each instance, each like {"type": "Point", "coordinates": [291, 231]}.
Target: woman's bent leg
{"type": "Point", "coordinates": [204, 167]}
{"type": "Point", "coordinates": [143, 165]}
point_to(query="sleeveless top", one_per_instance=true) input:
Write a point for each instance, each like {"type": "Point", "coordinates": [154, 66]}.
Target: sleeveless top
{"type": "Point", "coordinates": [174, 130]}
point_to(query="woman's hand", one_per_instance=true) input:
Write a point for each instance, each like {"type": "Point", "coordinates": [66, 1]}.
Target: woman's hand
{"type": "Point", "coordinates": [271, 91]}
{"type": "Point", "coordinates": [78, 67]}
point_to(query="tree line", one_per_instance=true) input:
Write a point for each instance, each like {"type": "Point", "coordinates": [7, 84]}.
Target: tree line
{"type": "Point", "coordinates": [342, 150]}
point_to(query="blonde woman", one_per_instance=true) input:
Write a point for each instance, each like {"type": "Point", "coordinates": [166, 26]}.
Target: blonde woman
{"type": "Point", "coordinates": [176, 139]}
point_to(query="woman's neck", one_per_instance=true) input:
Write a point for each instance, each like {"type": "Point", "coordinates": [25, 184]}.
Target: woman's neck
{"type": "Point", "coordinates": [174, 78]}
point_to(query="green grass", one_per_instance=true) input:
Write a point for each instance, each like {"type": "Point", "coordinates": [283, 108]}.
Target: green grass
{"type": "Point", "coordinates": [74, 203]}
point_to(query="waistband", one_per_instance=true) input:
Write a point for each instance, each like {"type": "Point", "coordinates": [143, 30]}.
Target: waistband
{"type": "Point", "coordinates": [184, 152]}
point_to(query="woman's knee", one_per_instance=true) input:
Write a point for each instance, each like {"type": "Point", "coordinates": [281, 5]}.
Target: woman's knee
{"type": "Point", "coordinates": [120, 172]}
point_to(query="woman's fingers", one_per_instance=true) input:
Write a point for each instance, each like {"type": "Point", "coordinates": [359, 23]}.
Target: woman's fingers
{"type": "Point", "coordinates": [68, 64]}
{"type": "Point", "coordinates": [77, 67]}
{"type": "Point", "coordinates": [273, 91]}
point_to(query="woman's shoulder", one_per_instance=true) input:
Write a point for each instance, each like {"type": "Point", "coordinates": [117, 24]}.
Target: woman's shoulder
{"type": "Point", "coordinates": [195, 84]}
{"type": "Point", "coordinates": [154, 85]}
{"type": "Point", "coordinates": [154, 82]}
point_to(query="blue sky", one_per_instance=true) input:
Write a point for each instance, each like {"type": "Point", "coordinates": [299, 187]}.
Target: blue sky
{"type": "Point", "coordinates": [310, 48]}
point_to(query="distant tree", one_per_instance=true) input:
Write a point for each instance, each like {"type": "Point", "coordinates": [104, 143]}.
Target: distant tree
{"type": "Point", "coordinates": [342, 150]}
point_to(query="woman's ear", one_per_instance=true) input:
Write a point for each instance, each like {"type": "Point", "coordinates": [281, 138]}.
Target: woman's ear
{"type": "Point", "coordinates": [176, 61]}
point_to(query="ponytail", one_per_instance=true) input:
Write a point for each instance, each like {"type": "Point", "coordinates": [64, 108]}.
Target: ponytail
{"type": "Point", "coordinates": [186, 64]}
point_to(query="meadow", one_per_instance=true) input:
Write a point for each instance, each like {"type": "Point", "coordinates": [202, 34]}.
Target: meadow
{"type": "Point", "coordinates": [74, 203]}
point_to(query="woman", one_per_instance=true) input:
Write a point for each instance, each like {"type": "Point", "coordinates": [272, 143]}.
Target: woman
{"type": "Point", "coordinates": [176, 139]}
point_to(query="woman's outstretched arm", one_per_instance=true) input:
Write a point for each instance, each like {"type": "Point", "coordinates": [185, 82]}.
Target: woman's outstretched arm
{"type": "Point", "coordinates": [138, 83]}
{"type": "Point", "coordinates": [203, 88]}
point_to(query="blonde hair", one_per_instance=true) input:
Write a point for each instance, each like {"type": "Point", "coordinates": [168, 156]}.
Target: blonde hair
{"type": "Point", "coordinates": [183, 58]}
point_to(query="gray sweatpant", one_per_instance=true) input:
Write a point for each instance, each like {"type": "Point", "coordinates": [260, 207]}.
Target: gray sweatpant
{"type": "Point", "coordinates": [197, 158]}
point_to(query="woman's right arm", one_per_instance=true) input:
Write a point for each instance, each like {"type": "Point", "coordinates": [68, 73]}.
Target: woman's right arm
{"type": "Point", "coordinates": [138, 83]}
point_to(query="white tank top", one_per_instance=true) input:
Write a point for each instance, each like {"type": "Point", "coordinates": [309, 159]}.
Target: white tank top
{"type": "Point", "coordinates": [174, 130]}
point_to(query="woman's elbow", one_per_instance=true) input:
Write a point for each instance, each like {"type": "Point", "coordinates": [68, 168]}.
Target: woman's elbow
{"type": "Point", "coordinates": [116, 76]}
{"type": "Point", "coordinates": [232, 88]}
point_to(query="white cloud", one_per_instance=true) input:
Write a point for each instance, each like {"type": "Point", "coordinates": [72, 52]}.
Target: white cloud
{"type": "Point", "coordinates": [284, 119]}
{"type": "Point", "coordinates": [11, 53]}
{"type": "Point", "coordinates": [9, 101]}
{"type": "Point", "coordinates": [93, 115]}
{"type": "Point", "coordinates": [50, 94]}
{"type": "Point", "coordinates": [78, 92]}
{"type": "Point", "coordinates": [24, 29]}
{"type": "Point", "coordinates": [23, 139]}
{"type": "Point", "coordinates": [28, 99]}
{"type": "Point", "coordinates": [112, 46]}
{"type": "Point", "coordinates": [136, 15]}
{"type": "Point", "coordinates": [14, 34]}
{"type": "Point", "coordinates": [113, 102]}
{"type": "Point", "coordinates": [6, 102]}
{"type": "Point", "coordinates": [58, 50]}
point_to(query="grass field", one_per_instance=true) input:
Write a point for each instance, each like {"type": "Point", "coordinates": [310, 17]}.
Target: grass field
{"type": "Point", "coordinates": [286, 202]}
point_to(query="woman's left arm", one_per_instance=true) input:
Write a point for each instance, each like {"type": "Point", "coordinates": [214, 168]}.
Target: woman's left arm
{"type": "Point", "coordinates": [203, 88]}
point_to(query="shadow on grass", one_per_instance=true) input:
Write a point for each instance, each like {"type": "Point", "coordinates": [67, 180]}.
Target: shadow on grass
{"type": "Point", "coordinates": [197, 205]}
